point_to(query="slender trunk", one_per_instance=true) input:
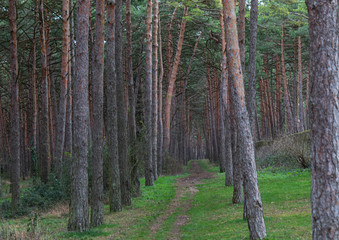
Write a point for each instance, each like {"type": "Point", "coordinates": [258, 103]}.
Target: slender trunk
{"type": "Point", "coordinates": [255, 215]}
{"type": "Point", "coordinates": [300, 89]}
{"type": "Point", "coordinates": [324, 86]}
{"type": "Point", "coordinates": [149, 175]}
{"type": "Point", "coordinates": [34, 84]}
{"type": "Point", "coordinates": [160, 117]}
{"type": "Point", "coordinates": [169, 46]}
{"type": "Point", "coordinates": [44, 117]}
{"type": "Point", "coordinates": [155, 90]}
{"type": "Point", "coordinates": [14, 137]}
{"type": "Point", "coordinates": [307, 97]}
{"type": "Point", "coordinates": [61, 121]}
{"type": "Point", "coordinates": [125, 181]}
{"type": "Point", "coordinates": [241, 34]}
{"type": "Point", "coordinates": [251, 91]}
{"type": "Point", "coordinates": [278, 107]}
{"type": "Point", "coordinates": [171, 82]}
{"type": "Point", "coordinates": [288, 111]}
{"type": "Point", "coordinates": [111, 125]}
{"type": "Point", "coordinates": [78, 213]}
{"type": "Point", "coordinates": [97, 198]}
{"type": "Point", "coordinates": [294, 89]}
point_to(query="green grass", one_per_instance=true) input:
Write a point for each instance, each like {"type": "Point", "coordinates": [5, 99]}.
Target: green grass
{"type": "Point", "coordinates": [286, 202]}
{"type": "Point", "coordinates": [285, 196]}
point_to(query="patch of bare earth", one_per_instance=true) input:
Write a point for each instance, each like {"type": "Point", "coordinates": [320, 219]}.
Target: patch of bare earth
{"type": "Point", "coordinates": [186, 187]}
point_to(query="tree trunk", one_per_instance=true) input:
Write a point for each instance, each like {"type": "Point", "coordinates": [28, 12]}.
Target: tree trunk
{"type": "Point", "coordinates": [149, 175]}
{"type": "Point", "coordinates": [14, 137]}
{"type": "Point", "coordinates": [125, 182]}
{"type": "Point", "coordinates": [44, 117]}
{"type": "Point", "coordinates": [251, 91]}
{"type": "Point", "coordinates": [78, 213]}
{"type": "Point", "coordinates": [255, 215]}
{"type": "Point", "coordinates": [278, 114]}
{"type": "Point", "coordinates": [111, 125]}
{"type": "Point", "coordinates": [97, 199]}
{"type": "Point", "coordinates": [324, 86]}
{"type": "Point", "coordinates": [169, 46]}
{"type": "Point", "coordinates": [300, 89]}
{"type": "Point", "coordinates": [242, 25]}
{"type": "Point", "coordinates": [290, 126]}
{"type": "Point", "coordinates": [171, 83]}
{"type": "Point", "coordinates": [155, 90]}
{"type": "Point", "coordinates": [61, 119]}
{"type": "Point", "coordinates": [160, 117]}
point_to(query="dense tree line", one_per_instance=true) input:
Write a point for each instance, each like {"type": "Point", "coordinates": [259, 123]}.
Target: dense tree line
{"type": "Point", "coordinates": [110, 91]}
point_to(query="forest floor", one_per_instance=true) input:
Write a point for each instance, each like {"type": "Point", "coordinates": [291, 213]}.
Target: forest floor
{"type": "Point", "coordinates": [195, 205]}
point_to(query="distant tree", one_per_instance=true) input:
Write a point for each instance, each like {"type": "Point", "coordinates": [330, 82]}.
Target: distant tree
{"type": "Point", "coordinates": [324, 120]}
{"type": "Point", "coordinates": [78, 212]}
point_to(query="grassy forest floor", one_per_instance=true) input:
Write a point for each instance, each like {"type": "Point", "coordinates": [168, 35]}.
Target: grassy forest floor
{"type": "Point", "coordinates": [195, 205]}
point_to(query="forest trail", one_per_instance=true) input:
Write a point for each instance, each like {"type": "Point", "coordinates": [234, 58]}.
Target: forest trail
{"type": "Point", "coordinates": [186, 190]}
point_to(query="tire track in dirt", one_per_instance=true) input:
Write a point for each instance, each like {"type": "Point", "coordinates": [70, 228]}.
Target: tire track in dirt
{"type": "Point", "coordinates": [186, 186]}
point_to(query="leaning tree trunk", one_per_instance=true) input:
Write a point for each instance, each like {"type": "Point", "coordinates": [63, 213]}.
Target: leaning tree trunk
{"type": "Point", "coordinates": [324, 87]}
{"type": "Point", "coordinates": [78, 213]}
{"type": "Point", "coordinates": [171, 83]}
{"type": "Point", "coordinates": [14, 138]}
{"type": "Point", "coordinates": [255, 214]}
{"type": "Point", "coordinates": [111, 114]}
{"type": "Point", "coordinates": [97, 198]}
{"type": "Point", "coordinates": [149, 175]}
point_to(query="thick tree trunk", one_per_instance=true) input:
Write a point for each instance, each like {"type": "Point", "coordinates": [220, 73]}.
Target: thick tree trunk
{"type": "Point", "coordinates": [44, 117]}
{"type": "Point", "coordinates": [171, 83]}
{"type": "Point", "coordinates": [149, 175]}
{"type": "Point", "coordinates": [61, 117]}
{"type": "Point", "coordinates": [290, 123]}
{"type": "Point", "coordinates": [14, 138]}
{"type": "Point", "coordinates": [78, 213]}
{"type": "Point", "coordinates": [241, 33]}
{"type": "Point", "coordinates": [255, 215]}
{"type": "Point", "coordinates": [97, 198]}
{"type": "Point", "coordinates": [155, 90]}
{"type": "Point", "coordinates": [324, 86]}
{"type": "Point", "coordinates": [251, 91]}
{"type": "Point", "coordinates": [121, 107]}
{"type": "Point", "coordinates": [169, 47]}
{"type": "Point", "coordinates": [111, 125]}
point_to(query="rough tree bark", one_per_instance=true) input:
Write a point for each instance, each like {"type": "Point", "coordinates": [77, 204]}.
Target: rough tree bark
{"type": "Point", "coordinates": [61, 117]}
{"type": "Point", "coordinates": [324, 117]}
{"type": "Point", "coordinates": [255, 215]}
{"type": "Point", "coordinates": [149, 175]}
{"type": "Point", "coordinates": [97, 198]}
{"type": "Point", "coordinates": [78, 213]}
{"type": "Point", "coordinates": [44, 117]}
{"type": "Point", "coordinates": [242, 33]}
{"type": "Point", "coordinates": [155, 90]}
{"type": "Point", "coordinates": [251, 91]}
{"type": "Point", "coordinates": [160, 117]}
{"type": "Point", "coordinates": [14, 138]}
{"type": "Point", "coordinates": [171, 82]}
{"type": "Point", "coordinates": [125, 181]}
{"type": "Point", "coordinates": [111, 125]}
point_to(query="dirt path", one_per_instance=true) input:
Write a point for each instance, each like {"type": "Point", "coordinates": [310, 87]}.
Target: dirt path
{"type": "Point", "coordinates": [186, 187]}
